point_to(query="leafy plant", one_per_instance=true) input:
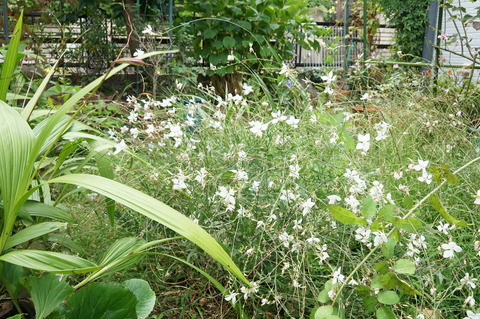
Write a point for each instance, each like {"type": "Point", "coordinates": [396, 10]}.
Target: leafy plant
{"type": "Point", "coordinates": [410, 19]}
{"type": "Point", "coordinates": [235, 35]}
{"type": "Point", "coordinates": [31, 159]}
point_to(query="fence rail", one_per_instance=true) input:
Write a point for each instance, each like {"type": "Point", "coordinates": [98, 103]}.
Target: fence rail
{"type": "Point", "coordinates": [49, 40]}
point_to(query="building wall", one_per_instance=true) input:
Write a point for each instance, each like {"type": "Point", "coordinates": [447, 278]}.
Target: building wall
{"type": "Point", "coordinates": [471, 30]}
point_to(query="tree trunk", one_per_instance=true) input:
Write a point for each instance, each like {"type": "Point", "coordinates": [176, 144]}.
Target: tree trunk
{"type": "Point", "coordinates": [130, 14]}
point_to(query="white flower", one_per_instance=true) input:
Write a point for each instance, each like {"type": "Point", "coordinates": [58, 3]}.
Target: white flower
{"type": "Point", "coordinates": [133, 116]}
{"type": "Point", "coordinates": [240, 175]}
{"type": "Point", "coordinates": [472, 315]}
{"type": "Point", "coordinates": [469, 281]}
{"type": "Point", "coordinates": [333, 199]}
{"type": "Point", "coordinates": [322, 253]}
{"type": "Point", "coordinates": [352, 202]}
{"type": "Point", "coordinates": [258, 128]}
{"type": "Point", "coordinates": [312, 240]}
{"type": "Point", "coordinates": [288, 195]}
{"type": "Point", "coordinates": [285, 70]}
{"type": "Point", "coordinates": [313, 118]}
{"type": "Point", "coordinates": [202, 174]}
{"type": "Point", "coordinates": [134, 132]}
{"type": "Point", "coordinates": [338, 277]}
{"type": "Point", "coordinates": [404, 188]}
{"type": "Point", "coordinates": [397, 175]}
{"type": "Point", "coordinates": [377, 191]}
{"type": "Point", "coordinates": [363, 142]}
{"type": "Point", "coordinates": [362, 234]}
{"type": "Point", "coordinates": [443, 228]}
{"type": "Point", "coordinates": [297, 224]}
{"type": "Point", "coordinates": [294, 171]}
{"type": "Point", "coordinates": [227, 194]}
{"type": "Point", "coordinates": [179, 181]}
{"type": "Point", "coordinates": [307, 206]}
{"type": "Point", "coordinates": [285, 238]}
{"type": "Point", "coordinates": [247, 291]}
{"type": "Point", "coordinates": [450, 249]}
{"type": "Point", "coordinates": [148, 30]}
{"type": "Point", "coordinates": [175, 131]}
{"type": "Point", "coordinates": [247, 89]}
{"type": "Point", "coordinates": [150, 129]}
{"type": "Point", "coordinates": [426, 177]}
{"type": "Point", "coordinates": [477, 198]}
{"type": "Point", "coordinates": [230, 57]}
{"type": "Point", "coordinates": [292, 121]}
{"type": "Point", "coordinates": [382, 129]}
{"type": "Point", "coordinates": [329, 78]}
{"type": "Point", "coordinates": [469, 301]}
{"type": "Point", "coordinates": [380, 238]}
{"type": "Point", "coordinates": [255, 186]}
{"type": "Point", "coordinates": [232, 297]}
{"type": "Point", "coordinates": [422, 165]}
{"type": "Point", "coordinates": [365, 97]}
{"type": "Point", "coordinates": [119, 147]}
{"type": "Point", "coordinates": [278, 117]}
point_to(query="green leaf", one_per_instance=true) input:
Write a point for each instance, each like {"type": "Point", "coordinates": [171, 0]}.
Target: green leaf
{"type": "Point", "coordinates": [408, 202]}
{"type": "Point", "coordinates": [370, 303]}
{"type": "Point", "coordinates": [105, 169]}
{"type": "Point", "coordinates": [405, 288]}
{"type": "Point", "coordinates": [381, 267]}
{"type": "Point", "coordinates": [388, 297]}
{"type": "Point", "coordinates": [388, 248]}
{"type": "Point", "coordinates": [15, 167]}
{"type": "Point", "coordinates": [155, 210]}
{"type": "Point", "coordinates": [49, 261]}
{"type": "Point", "coordinates": [32, 232]}
{"type": "Point", "coordinates": [39, 209]}
{"type": "Point", "coordinates": [11, 59]}
{"type": "Point", "coordinates": [385, 313]}
{"type": "Point", "coordinates": [437, 205]}
{"type": "Point", "coordinates": [122, 254]}
{"type": "Point", "coordinates": [228, 42]}
{"type": "Point", "coordinates": [404, 266]}
{"type": "Point", "coordinates": [47, 293]}
{"type": "Point", "coordinates": [411, 224]}
{"type": "Point", "coordinates": [325, 312]}
{"type": "Point", "coordinates": [342, 215]}
{"type": "Point", "coordinates": [210, 33]}
{"type": "Point", "coordinates": [386, 213]}
{"type": "Point", "coordinates": [12, 278]}
{"type": "Point", "coordinates": [145, 296]}
{"type": "Point", "coordinates": [389, 280]}
{"type": "Point", "coordinates": [102, 301]}
{"type": "Point", "coordinates": [363, 290]}
{"type": "Point", "coordinates": [323, 295]}
{"type": "Point", "coordinates": [369, 208]}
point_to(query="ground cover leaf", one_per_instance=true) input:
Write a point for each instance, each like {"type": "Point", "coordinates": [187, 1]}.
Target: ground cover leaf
{"type": "Point", "coordinates": [47, 293]}
{"type": "Point", "coordinates": [102, 301]}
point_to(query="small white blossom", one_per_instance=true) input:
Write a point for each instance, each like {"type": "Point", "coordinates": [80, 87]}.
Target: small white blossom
{"type": "Point", "coordinates": [338, 277]}
{"type": "Point", "coordinates": [363, 142]}
{"type": "Point", "coordinates": [450, 249]}
{"type": "Point", "coordinates": [119, 147]}
{"type": "Point", "coordinates": [258, 128]}
{"type": "Point", "coordinates": [469, 281]}
{"type": "Point", "coordinates": [333, 199]}
{"type": "Point", "coordinates": [179, 181]}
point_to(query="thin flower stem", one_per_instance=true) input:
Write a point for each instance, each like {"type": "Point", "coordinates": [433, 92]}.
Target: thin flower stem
{"type": "Point", "coordinates": [408, 214]}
